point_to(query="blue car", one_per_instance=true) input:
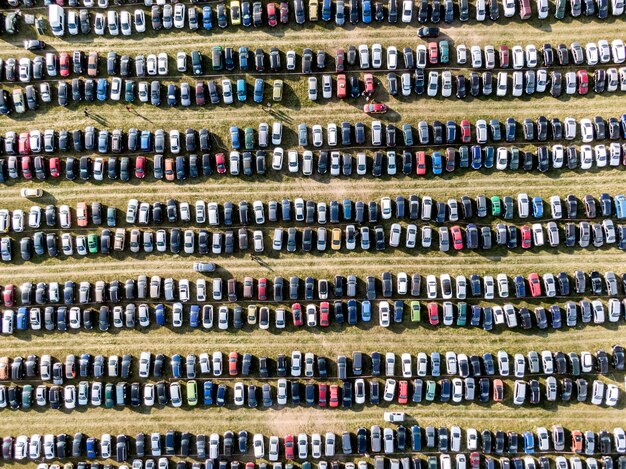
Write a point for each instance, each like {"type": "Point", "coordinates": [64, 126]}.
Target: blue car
{"type": "Point", "coordinates": [326, 10]}
{"type": "Point", "coordinates": [207, 18]}
{"type": "Point", "coordinates": [234, 137]}
{"type": "Point", "coordinates": [159, 314]}
{"type": "Point", "coordinates": [620, 206]}
{"type": "Point", "coordinates": [366, 311]}
{"type": "Point", "coordinates": [208, 393]}
{"type": "Point", "coordinates": [489, 157]}
{"type": "Point", "coordinates": [398, 310]}
{"type": "Point", "coordinates": [91, 448]}
{"type": "Point", "coordinates": [194, 316]}
{"type": "Point", "coordinates": [437, 163]}
{"type": "Point", "coordinates": [241, 90]}
{"type": "Point", "coordinates": [102, 90]}
{"type": "Point", "coordinates": [416, 433]}
{"type": "Point", "coordinates": [450, 132]}
{"type": "Point", "coordinates": [243, 59]}
{"type": "Point", "coordinates": [529, 442]}
{"type": "Point", "coordinates": [145, 143]}
{"type": "Point", "coordinates": [259, 84]}
{"type": "Point", "coordinates": [366, 11]}
{"type": "Point", "coordinates": [21, 320]}
{"type": "Point", "coordinates": [347, 209]}
{"type": "Point", "coordinates": [177, 366]}
{"type": "Point", "coordinates": [477, 157]}
{"type": "Point", "coordinates": [537, 207]}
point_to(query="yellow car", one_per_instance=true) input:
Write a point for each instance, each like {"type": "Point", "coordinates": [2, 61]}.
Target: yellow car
{"type": "Point", "coordinates": [278, 90]}
{"type": "Point", "coordinates": [235, 12]}
{"type": "Point", "coordinates": [336, 239]}
{"type": "Point", "coordinates": [313, 10]}
{"type": "Point", "coordinates": [252, 314]}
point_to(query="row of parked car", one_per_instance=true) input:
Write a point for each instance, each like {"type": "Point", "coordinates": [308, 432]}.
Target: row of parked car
{"type": "Point", "coordinates": [344, 134]}
{"type": "Point", "coordinates": [350, 238]}
{"type": "Point", "coordinates": [364, 57]}
{"type": "Point", "coordinates": [302, 446]}
{"type": "Point", "coordinates": [460, 314]}
{"type": "Point", "coordinates": [334, 163]}
{"type": "Point", "coordinates": [199, 93]}
{"type": "Point", "coordinates": [309, 212]}
{"type": "Point", "coordinates": [309, 365]}
{"type": "Point", "coordinates": [347, 394]}
{"type": "Point", "coordinates": [280, 289]}
{"type": "Point", "coordinates": [247, 14]}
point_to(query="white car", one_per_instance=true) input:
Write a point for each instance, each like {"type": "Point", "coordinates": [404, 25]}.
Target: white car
{"type": "Point", "coordinates": [586, 130]}
{"type": "Point", "coordinates": [162, 66]}
{"type": "Point", "coordinates": [433, 83]}
{"type": "Point", "coordinates": [312, 87]}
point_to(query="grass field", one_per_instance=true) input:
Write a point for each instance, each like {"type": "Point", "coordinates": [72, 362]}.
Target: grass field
{"type": "Point", "coordinates": [340, 340]}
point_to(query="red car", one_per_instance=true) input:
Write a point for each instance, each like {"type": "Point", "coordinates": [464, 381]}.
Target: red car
{"type": "Point", "coordinates": [262, 289]}
{"type": "Point", "coordinates": [466, 131]}
{"type": "Point", "coordinates": [23, 144]}
{"type": "Point", "coordinates": [296, 312]}
{"type": "Point", "coordinates": [583, 81]}
{"type": "Point", "coordinates": [64, 64]}
{"type": "Point", "coordinates": [457, 237]}
{"type": "Point", "coordinates": [249, 465]}
{"type": "Point", "coordinates": [289, 453]}
{"type": "Point", "coordinates": [324, 314]}
{"type": "Point", "coordinates": [526, 236]}
{"type": "Point", "coordinates": [420, 162]}
{"type": "Point", "coordinates": [433, 313]}
{"type": "Point", "coordinates": [403, 392]}
{"type": "Point", "coordinates": [8, 295]}
{"type": "Point", "coordinates": [375, 108]}
{"type": "Point", "coordinates": [220, 163]}
{"type": "Point", "coordinates": [504, 56]}
{"type": "Point", "coordinates": [369, 84]}
{"type": "Point", "coordinates": [322, 389]}
{"type": "Point", "coordinates": [55, 166]}
{"type": "Point", "coordinates": [334, 395]}
{"type": "Point", "coordinates": [341, 86]}
{"type": "Point", "coordinates": [271, 14]}
{"type": "Point", "coordinates": [26, 172]}
{"type": "Point", "coordinates": [233, 358]}
{"type": "Point", "coordinates": [474, 460]}
{"type": "Point", "coordinates": [535, 284]}
{"type": "Point", "coordinates": [140, 167]}
{"type": "Point", "coordinates": [284, 12]}
{"type": "Point", "coordinates": [433, 53]}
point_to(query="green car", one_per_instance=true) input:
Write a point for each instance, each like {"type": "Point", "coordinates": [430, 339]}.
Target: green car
{"type": "Point", "coordinates": [496, 207]}
{"type": "Point", "coordinates": [559, 13]}
{"type": "Point", "coordinates": [249, 138]}
{"type": "Point", "coordinates": [444, 52]}
{"type": "Point", "coordinates": [461, 320]}
{"type": "Point", "coordinates": [27, 393]}
{"type": "Point", "coordinates": [431, 388]}
{"type": "Point", "coordinates": [432, 462]}
{"type": "Point", "coordinates": [415, 311]}
{"type": "Point", "coordinates": [109, 400]}
{"type": "Point", "coordinates": [92, 243]}
{"type": "Point", "coordinates": [192, 392]}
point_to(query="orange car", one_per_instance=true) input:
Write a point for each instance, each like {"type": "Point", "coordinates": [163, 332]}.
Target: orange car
{"type": "Point", "coordinates": [4, 368]}
{"type": "Point", "coordinates": [170, 175]}
{"type": "Point", "coordinates": [233, 358]}
{"type": "Point", "coordinates": [498, 390]}
{"type": "Point", "coordinates": [577, 441]}
{"type": "Point", "coordinates": [82, 216]}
